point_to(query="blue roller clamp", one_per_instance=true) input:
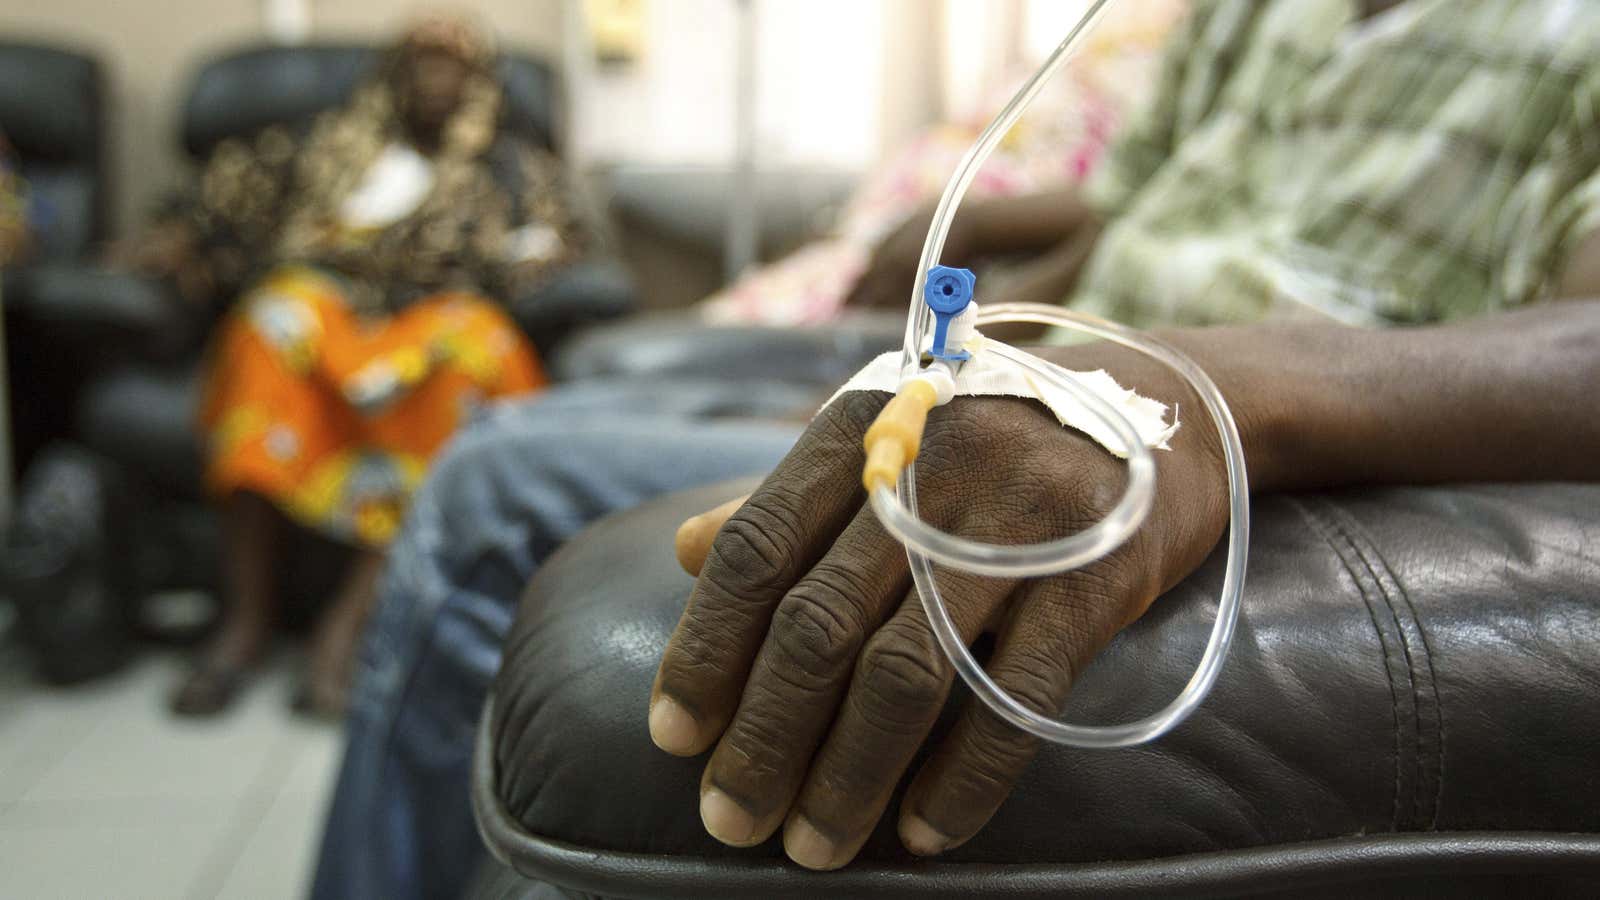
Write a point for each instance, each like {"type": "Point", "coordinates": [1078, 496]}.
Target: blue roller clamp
{"type": "Point", "coordinates": [947, 292]}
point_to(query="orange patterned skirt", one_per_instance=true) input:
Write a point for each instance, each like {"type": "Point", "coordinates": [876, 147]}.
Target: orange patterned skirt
{"type": "Point", "coordinates": [334, 417]}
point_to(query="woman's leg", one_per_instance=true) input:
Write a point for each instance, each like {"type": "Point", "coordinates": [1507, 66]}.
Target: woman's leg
{"type": "Point", "coordinates": [250, 607]}
{"type": "Point", "coordinates": [277, 439]}
{"type": "Point", "coordinates": [331, 663]}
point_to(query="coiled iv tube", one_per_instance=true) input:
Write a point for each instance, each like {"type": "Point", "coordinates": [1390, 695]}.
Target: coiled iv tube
{"type": "Point", "coordinates": [925, 545]}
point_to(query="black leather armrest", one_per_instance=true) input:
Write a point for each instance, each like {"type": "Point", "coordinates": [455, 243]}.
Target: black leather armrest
{"type": "Point", "coordinates": [682, 344]}
{"type": "Point", "coordinates": [122, 314]}
{"type": "Point", "coordinates": [580, 294]}
{"type": "Point", "coordinates": [1409, 709]}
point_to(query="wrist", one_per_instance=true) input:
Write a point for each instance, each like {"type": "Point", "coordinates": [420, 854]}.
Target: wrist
{"type": "Point", "coordinates": [1275, 416]}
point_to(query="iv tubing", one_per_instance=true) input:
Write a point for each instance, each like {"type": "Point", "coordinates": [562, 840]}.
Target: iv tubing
{"type": "Point", "coordinates": [968, 168]}
{"type": "Point", "coordinates": [924, 544]}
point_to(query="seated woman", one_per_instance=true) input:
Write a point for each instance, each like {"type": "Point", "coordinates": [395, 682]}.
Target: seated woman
{"type": "Point", "coordinates": [368, 334]}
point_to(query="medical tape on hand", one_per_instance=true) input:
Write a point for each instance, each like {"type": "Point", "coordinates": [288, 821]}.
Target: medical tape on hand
{"type": "Point", "coordinates": [986, 375]}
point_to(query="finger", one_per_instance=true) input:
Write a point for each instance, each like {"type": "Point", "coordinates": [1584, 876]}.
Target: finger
{"type": "Point", "coordinates": [759, 553]}
{"type": "Point", "coordinates": [797, 679]}
{"type": "Point", "coordinates": [693, 540]}
{"type": "Point", "coordinates": [1055, 629]}
{"type": "Point", "coordinates": [898, 689]}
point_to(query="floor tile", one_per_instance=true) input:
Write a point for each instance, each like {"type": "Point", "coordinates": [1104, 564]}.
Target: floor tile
{"type": "Point", "coordinates": [278, 858]}
{"type": "Point", "coordinates": [137, 748]}
{"type": "Point", "coordinates": [41, 724]}
{"type": "Point", "coordinates": [103, 793]}
{"type": "Point", "coordinates": [149, 848]}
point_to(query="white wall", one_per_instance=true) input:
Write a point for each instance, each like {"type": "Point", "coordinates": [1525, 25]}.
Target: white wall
{"type": "Point", "coordinates": [819, 71]}
{"type": "Point", "coordinates": [840, 81]}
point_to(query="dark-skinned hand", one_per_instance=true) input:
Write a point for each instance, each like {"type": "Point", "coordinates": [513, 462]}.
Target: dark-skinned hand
{"type": "Point", "coordinates": [805, 664]}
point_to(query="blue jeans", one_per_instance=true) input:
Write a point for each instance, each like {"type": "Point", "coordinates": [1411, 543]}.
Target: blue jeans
{"type": "Point", "coordinates": [504, 495]}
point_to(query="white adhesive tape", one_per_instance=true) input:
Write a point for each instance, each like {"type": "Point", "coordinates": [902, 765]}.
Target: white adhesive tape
{"type": "Point", "coordinates": [986, 375]}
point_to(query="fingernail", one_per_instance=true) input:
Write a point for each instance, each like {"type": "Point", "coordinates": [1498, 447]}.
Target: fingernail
{"type": "Point", "coordinates": [921, 838]}
{"type": "Point", "coordinates": [672, 728]}
{"type": "Point", "coordinates": [726, 820]}
{"type": "Point", "coordinates": [808, 846]}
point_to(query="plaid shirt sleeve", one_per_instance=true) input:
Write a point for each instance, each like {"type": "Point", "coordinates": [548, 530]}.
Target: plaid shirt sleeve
{"type": "Point", "coordinates": [1150, 135]}
{"type": "Point", "coordinates": [1557, 204]}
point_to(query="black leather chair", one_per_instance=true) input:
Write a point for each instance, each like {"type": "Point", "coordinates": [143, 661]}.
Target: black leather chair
{"type": "Point", "coordinates": [1408, 711]}
{"type": "Point", "coordinates": [53, 112]}
{"type": "Point", "coordinates": [137, 408]}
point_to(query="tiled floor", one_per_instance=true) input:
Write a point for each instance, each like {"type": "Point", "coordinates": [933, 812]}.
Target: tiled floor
{"type": "Point", "coordinates": [104, 794]}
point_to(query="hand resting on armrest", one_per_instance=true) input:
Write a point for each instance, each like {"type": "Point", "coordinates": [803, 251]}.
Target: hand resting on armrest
{"type": "Point", "coordinates": [804, 663]}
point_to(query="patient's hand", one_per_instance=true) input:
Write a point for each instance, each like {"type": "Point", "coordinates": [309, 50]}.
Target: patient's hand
{"type": "Point", "coordinates": [805, 660]}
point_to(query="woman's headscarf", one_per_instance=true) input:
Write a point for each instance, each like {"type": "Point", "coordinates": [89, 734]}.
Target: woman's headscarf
{"type": "Point", "coordinates": [343, 145]}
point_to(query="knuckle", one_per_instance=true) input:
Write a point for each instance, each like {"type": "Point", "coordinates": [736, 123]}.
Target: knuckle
{"type": "Point", "coordinates": [904, 679]}
{"type": "Point", "coordinates": [754, 554]}
{"type": "Point", "coordinates": [1036, 677]}
{"type": "Point", "coordinates": [698, 655]}
{"type": "Point", "coordinates": [992, 753]}
{"type": "Point", "coordinates": [816, 630]}
{"type": "Point", "coordinates": [992, 757]}
{"type": "Point", "coordinates": [846, 420]}
{"type": "Point", "coordinates": [757, 747]}
{"type": "Point", "coordinates": [1108, 594]}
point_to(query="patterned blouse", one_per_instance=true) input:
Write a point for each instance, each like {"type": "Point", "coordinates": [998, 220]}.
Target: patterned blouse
{"type": "Point", "coordinates": [498, 218]}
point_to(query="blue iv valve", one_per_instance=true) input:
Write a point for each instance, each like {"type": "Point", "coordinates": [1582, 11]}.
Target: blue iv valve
{"type": "Point", "coordinates": [948, 292]}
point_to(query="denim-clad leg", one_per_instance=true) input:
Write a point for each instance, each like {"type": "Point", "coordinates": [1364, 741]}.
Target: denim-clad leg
{"type": "Point", "coordinates": [506, 493]}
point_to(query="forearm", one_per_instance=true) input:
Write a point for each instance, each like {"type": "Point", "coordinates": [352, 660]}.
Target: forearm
{"type": "Point", "coordinates": [1501, 398]}
{"type": "Point", "coordinates": [1030, 223]}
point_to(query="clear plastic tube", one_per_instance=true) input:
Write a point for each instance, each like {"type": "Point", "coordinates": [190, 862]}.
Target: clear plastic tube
{"type": "Point", "coordinates": [967, 169]}
{"type": "Point", "coordinates": [926, 544]}
{"type": "Point", "coordinates": [1049, 557]}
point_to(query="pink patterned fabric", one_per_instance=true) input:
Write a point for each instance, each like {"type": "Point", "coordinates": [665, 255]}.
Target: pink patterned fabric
{"type": "Point", "coordinates": [1058, 142]}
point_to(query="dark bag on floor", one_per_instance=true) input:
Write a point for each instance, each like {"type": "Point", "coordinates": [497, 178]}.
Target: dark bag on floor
{"type": "Point", "coordinates": [65, 563]}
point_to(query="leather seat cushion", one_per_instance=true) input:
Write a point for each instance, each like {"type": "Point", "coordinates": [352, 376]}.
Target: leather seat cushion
{"type": "Point", "coordinates": [1411, 694]}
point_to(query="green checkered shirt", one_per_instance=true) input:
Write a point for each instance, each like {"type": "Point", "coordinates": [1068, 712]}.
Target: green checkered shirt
{"type": "Point", "coordinates": [1433, 161]}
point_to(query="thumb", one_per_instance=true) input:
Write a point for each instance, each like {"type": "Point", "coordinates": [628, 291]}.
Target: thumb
{"type": "Point", "coordinates": [695, 535]}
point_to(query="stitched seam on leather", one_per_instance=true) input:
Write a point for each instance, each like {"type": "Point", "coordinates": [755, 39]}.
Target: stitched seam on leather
{"type": "Point", "coordinates": [1333, 538]}
{"type": "Point", "coordinates": [1438, 710]}
{"type": "Point", "coordinates": [1430, 673]}
{"type": "Point", "coordinates": [1330, 516]}
{"type": "Point", "coordinates": [1384, 576]}
{"type": "Point", "coordinates": [1350, 536]}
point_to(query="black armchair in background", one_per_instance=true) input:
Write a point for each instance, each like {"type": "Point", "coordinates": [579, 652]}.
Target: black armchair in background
{"type": "Point", "coordinates": [53, 112]}
{"type": "Point", "coordinates": [137, 408]}
{"type": "Point", "coordinates": [56, 565]}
